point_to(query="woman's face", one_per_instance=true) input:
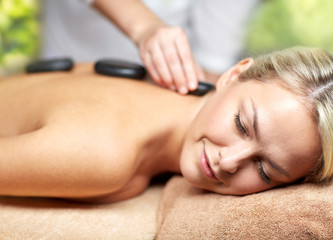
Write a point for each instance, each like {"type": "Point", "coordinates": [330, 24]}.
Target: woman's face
{"type": "Point", "coordinates": [249, 137]}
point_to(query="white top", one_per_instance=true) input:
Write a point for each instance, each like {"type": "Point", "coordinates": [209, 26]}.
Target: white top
{"type": "Point", "coordinates": [215, 27]}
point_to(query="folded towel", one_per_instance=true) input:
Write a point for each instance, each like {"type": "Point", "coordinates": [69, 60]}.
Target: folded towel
{"type": "Point", "coordinates": [295, 212]}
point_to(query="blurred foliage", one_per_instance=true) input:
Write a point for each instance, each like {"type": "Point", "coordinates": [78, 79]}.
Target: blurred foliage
{"type": "Point", "coordinates": [278, 24]}
{"type": "Point", "coordinates": [19, 34]}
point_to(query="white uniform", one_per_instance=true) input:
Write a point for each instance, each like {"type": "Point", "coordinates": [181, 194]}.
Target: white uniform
{"type": "Point", "coordinates": [215, 28]}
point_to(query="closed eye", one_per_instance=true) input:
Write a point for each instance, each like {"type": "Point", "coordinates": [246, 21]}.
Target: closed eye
{"type": "Point", "coordinates": [239, 125]}
{"type": "Point", "coordinates": [262, 173]}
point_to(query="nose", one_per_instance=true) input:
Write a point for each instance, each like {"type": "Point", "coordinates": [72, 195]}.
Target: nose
{"type": "Point", "coordinates": [233, 157]}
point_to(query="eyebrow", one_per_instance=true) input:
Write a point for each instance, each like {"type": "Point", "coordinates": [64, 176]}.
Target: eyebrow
{"type": "Point", "coordinates": [257, 134]}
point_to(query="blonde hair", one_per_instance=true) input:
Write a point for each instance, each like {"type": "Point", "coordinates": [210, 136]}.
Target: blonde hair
{"type": "Point", "coordinates": [307, 72]}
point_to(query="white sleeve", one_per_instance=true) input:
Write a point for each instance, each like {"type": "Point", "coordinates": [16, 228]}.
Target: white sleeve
{"type": "Point", "coordinates": [217, 29]}
{"type": "Point", "coordinates": [88, 2]}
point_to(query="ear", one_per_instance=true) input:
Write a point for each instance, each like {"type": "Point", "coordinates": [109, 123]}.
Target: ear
{"type": "Point", "coordinates": [233, 73]}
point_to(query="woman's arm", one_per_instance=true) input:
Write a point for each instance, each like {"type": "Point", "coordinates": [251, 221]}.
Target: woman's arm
{"type": "Point", "coordinates": [59, 162]}
{"type": "Point", "coordinates": [165, 50]}
{"type": "Point", "coordinates": [131, 16]}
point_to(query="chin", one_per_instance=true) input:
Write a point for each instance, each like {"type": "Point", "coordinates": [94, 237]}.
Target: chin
{"type": "Point", "coordinates": [200, 186]}
{"type": "Point", "coordinates": [189, 170]}
{"type": "Point", "coordinates": [193, 176]}
{"type": "Point", "coordinates": [189, 167]}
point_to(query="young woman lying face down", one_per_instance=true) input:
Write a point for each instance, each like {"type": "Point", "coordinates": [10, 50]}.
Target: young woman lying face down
{"type": "Point", "coordinates": [83, 136]}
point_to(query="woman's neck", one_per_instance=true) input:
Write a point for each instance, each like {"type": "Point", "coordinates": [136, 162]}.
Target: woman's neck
{"type": "Point", "coordinates": [161, 152]}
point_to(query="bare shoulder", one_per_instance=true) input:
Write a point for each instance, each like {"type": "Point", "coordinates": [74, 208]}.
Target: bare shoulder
{"type": "Point", "coordinates": [66, 161]}
{"type": "Point", "coordinates": [107, 154]}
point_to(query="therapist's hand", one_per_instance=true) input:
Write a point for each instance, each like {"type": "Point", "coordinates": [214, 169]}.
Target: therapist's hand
{"type": "Point", "coordinates": [167, 55]}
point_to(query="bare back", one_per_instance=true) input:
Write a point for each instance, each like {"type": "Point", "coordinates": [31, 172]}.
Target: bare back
{"type": "Point", "coordinates": [80, 134]}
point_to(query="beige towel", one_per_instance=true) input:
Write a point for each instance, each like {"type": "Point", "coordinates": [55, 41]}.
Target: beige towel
{"type": "Point", "coordinates": [37, 218]}
{"type": "Point", "coordinates": [295, 212]}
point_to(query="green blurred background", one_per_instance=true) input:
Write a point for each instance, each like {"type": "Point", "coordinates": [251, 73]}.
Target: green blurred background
{"type": "Point", "coordinates": [278, 24]}
{"type": "Point", "coordinates": [19, 34]}
{"type": "Point", "coordinates": [275, 24]}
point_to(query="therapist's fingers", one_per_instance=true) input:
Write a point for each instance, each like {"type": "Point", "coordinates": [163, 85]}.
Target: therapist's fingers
{"type": "Point", "coordinates": [153, 58]}
{"type": "Point", "coordinates": [148, 62]}
{"type": "Point", "coordinates": [187, 60]}
{"type": "Point", "coordinates": [174, 63]}
{"type": "Point", "coordinates": [170, 61]}
{"type": "Point", "coordinates": [161, 66]}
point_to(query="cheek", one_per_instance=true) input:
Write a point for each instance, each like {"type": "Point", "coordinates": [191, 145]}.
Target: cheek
{"type": "Point", "coordinates": [245, 182]}
{"type": "Point", "coordinates": [212, 120]}
{"type": "Point", "coordinates": [244, 188]}
{"type": "Point", "coordinates": [190, 158]}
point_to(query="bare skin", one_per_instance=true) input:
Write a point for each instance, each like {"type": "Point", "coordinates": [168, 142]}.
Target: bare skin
{"type": "Point", "coordinates": [95, 138]}
{"type": "Point", "coordinates": [74, 135]}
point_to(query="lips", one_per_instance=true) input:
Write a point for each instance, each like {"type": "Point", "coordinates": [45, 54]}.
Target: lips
{"type": "Point", "coordinates": [204, 165]}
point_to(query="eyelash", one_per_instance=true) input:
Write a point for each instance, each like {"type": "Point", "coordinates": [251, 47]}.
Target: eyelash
{"type": "Point", "coordinates": [239, 125]}
{"type": "Point", "coordinates": [262, 173]}
{"type": "Point", "coordinates": [242, 130]}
